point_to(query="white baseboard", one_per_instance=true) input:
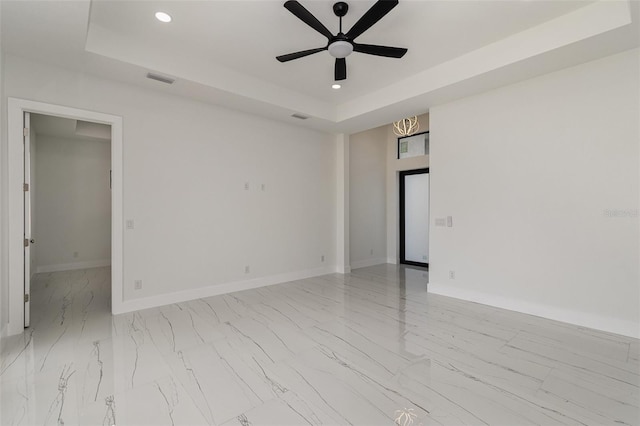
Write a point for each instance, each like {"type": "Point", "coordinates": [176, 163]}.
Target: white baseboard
{"type": "Point", "coordinates": [72, 266]}
{"type": "Point", "coordinates": [392, 261]}
{"type": "Point", "coordinates": [597, 322]}
{"type": "Point", "coordinates": [367, 262]}
{"type": "Point", "coordinates": [215, 290]}
{"type": "Point", "coordinates": [342, 270]}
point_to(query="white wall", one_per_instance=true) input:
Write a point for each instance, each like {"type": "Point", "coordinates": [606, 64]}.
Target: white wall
{"type": "Point", "coordinates": [343, 264]}
{"type": "Point", "coordinates": [72, 203]}
{"type": "Point", "coordinates": [4, 258]}
{"type": "Point", "coordinates": [185, 168]}
{"type": "Point", "coordinates": [542, 181]}
{"type": "Point", "coordinates": [367, 197]}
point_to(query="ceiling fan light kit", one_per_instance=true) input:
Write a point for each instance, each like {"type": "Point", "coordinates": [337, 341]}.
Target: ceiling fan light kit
{"type": "Point", "coordinates": [342, 45]}
{"type": "Point", "coordinates": [340, 49]}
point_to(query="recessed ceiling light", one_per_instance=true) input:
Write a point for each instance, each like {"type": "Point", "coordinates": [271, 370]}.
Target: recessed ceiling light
{"type": "Point", "coordinates": [163, 17]}
{"type": "Point", "coordinates": [335, 86]}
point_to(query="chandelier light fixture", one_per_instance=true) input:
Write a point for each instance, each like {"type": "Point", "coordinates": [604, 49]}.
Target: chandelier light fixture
{"type": "Point", "coordinates": [406, 127]}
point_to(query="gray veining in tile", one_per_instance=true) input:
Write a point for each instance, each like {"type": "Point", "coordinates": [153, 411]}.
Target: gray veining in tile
{"type": "Point", "coordinates": [367, 348]}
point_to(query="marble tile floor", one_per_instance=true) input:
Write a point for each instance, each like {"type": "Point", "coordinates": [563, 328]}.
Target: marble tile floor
{"type": "Point", "coordinates": [367, 348]}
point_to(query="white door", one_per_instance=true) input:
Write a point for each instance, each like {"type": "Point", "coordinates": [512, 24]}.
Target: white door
{"type": "Point", "coordinates": [27, 218]}
{"type": "Point", "coordinates": [416, 217]}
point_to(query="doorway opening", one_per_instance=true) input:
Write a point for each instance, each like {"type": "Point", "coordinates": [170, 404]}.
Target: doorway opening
{"type": "Point", "coordinates": [414, 217]}
{"type": "Point", "coordinates": [20, 234]}
{"type": "Point", "coordinates": [67, 204]}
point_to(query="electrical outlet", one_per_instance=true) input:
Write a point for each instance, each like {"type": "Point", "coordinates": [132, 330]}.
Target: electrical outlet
{"type": "Point", "coordinates": [449, 222]}
{"type": "Point", "coordinates": [247, 269]}
{"type": "Point", "coordinates": [441, 221]}
{"type": "Point", "coordinates": [452, 275]}
{"type": "Point", "coordinates": [322, 258]}
{"type": "Point", "coordinates": [371, 252]}
{"type": "Point", "coordinates": [137, 285]}
{"type": "Point", "coordinates": [130, 223]}
{"type": "Point", "coordinates": [246, 186]}
{"type": "Point", "coordinates": [75, 254]}
{"type": "Point", "coordinates": [263, 187]}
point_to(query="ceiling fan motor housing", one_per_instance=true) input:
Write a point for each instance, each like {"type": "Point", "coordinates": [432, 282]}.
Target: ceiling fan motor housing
{"type": "Point", "coordinates": [340, 9]}
{"type": "Point", "coordinates": [340, 46]}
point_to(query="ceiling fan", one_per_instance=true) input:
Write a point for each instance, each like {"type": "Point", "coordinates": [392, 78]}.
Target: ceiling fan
{"type": "Point", "coordinates": [342, 45]}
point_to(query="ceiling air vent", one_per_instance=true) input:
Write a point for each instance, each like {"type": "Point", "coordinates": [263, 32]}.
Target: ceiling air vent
{"type": "Point", "coordinates": [160, 78]}
{"type": "Point", "coordinates": [300, 116]}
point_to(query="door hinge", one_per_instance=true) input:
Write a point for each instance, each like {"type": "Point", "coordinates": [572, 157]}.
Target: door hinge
{"type": "Point", "coordinates": [26, 242]}
{"type": "Point", "coordinates": [26, 298]}
{"type": "Point", "coordinates": [25, 132]}
{"type": "Point", "coordinates": [25, 187]}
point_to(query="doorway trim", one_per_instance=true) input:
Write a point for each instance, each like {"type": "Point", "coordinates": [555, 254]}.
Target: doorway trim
{"type": "Point", "coordinates": [401, 214]}
{"type": "Point", "coordinates": [15, 112]}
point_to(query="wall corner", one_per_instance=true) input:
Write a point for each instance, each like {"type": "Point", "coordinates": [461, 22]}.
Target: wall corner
{"type": "Point", "coordinates": [342, 204]}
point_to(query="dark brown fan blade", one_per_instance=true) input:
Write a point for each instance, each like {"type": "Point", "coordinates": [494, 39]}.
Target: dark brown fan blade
{"type": "Point", "coordinates": [372, 49]}
{"type": "Point", "coordinates": [301, 54]}
{"type": "Point", "coordinates": [305, 16]}
{"type": "Point", "coordinates": [341, 69]}
{"type": "Point", "coordinates": [373, 15]}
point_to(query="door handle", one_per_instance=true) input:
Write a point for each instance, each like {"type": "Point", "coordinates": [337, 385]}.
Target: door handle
{"type": "Point", "coordinates": [32, 241]}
